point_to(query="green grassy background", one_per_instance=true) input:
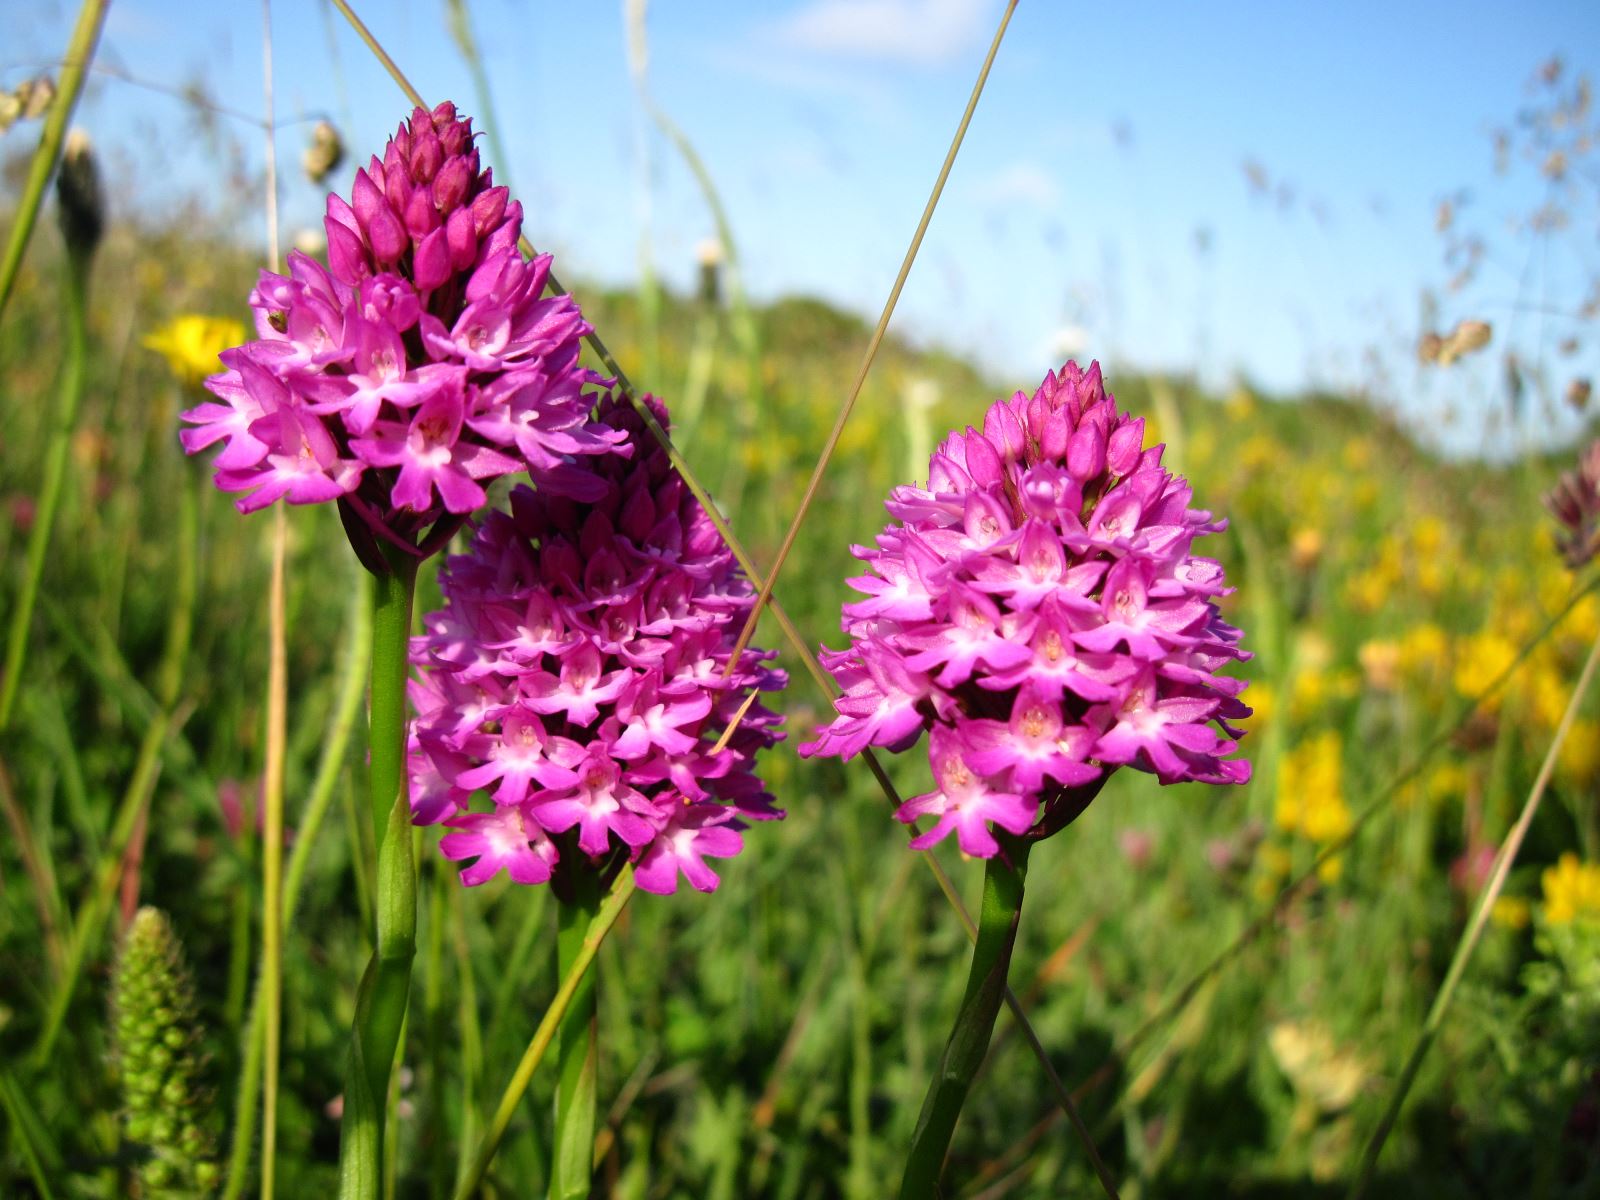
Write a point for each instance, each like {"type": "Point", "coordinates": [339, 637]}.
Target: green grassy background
{"type": "Point", "coordinates": [775, 1038]}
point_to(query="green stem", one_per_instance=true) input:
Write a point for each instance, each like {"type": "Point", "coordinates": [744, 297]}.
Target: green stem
{"type": "Point", "coordinates": [80, 50]}
{"type": "Point", "coordinates": [969, 1040]}
{"type": "Point", "coordinates": [386, 986]}
{"type": "Point", "coordinates": [55, 471]}
{"type": "Point", "coordinates": [391, 633]}
{"type": "Point", "coordinates": [575, 1088]}
{"type": "Point", "coordinates": [610, 909]}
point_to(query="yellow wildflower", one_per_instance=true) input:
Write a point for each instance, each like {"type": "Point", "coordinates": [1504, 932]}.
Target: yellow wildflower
{"type": "Point", "coordinates": [1314, 690]}
{"type": "Point", "coordinates": [1263, 703]}
{"type": "Point", "coordinates": [1305, 547]}
{"type": "Point", "coordinates": [1511, 912]}
{"type": "Point", "coordinates": [190, 343]}
{"type": "Point", "coordinates": [1380, 663]}
{"type": "Point", "coordinates": [1423, 650]}
{"type": "Point", "coordinates": [1547, 695]}
{"type": "Point", "coordinates": [1447, 781]}
{"type": "Point", "coordinates": [1358, 454]}
{"type": "Point", "coordinates": [1480, 660]}
{"type": "Point", "coordinates": [1582, 625]}
{"type": "Point", "coordinates": [1259, 452]}
{"type": "Point", "coordinates": [1428, 534]}
{"type": "Point", "coordinates": [1580, 753]}
{"type": "Point", "coordinates": [1275, 861]}
{"type": "Point", "coordinates": [1310, 796]}
{"type": "Point", "coordinates": [1571, 891]}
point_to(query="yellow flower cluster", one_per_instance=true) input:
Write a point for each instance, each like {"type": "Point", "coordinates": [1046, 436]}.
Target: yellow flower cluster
{"type": "Point", "coordinates": [1311, 790]}
{"type": "Point", "coordinates": [1571, 891]}
{"type": "Point", "coordinates": [1481, 658]}
{"type": "Point", "coordinates": [190, 343]}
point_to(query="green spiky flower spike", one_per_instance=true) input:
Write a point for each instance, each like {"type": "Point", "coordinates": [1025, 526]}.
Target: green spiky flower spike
{"type": "Point", "coordinates": [159, 1065]}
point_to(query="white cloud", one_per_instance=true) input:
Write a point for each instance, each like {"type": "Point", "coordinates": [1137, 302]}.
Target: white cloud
{"type": "Point", "coordinates": [925, 32]}
{"type": "Point", "coordinates": [1022, 184]}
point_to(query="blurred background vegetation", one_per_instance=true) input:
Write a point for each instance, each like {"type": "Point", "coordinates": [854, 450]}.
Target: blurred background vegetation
{"type": "Point", "coordinates": [774, 1039]}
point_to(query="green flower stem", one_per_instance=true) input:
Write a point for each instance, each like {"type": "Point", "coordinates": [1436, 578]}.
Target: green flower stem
{"type": "Point", "coordinates": [272, 856]}
{"type": "Point", "coordinates": [68, 401]}
{"type": "Point", "coordinates": [969, 1040]}
{"type": "Point", "coordinates": [386, 986]}
{"type": "Point", "coordinates": [571, 1164]}
{"type": "Point", "coordinates": [610, 909]}
{"type": "Point", "coordinates": [80, 51]}
{"type": "Point", "coordinates": [391, 634]}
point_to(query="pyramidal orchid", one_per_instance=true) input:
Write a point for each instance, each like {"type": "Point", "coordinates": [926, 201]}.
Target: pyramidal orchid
{"type": "Point", "coordinates": [575, 681]}
{"type": "Point", "coordinates": [576, 712]}
{"type": "Point", "coordinates": [420, 363]}
{"type": "Point", "coordinates": [1038, 609]}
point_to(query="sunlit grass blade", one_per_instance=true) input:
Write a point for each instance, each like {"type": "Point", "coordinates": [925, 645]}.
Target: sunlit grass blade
{"type": "Point", "coordinates": [764, 592]}
{"type": "Point", "coordinates": [1470, 936]}
{"type": "Point", "coordinates": [39, 1151]}
{"type": "Point", "coordinates": [35, 862]}
{"type": "Point", "coordinates": [330, 768]}
{"type": "Point", "coordinates": [467, 43]}
{"type": "Point", "coordinates": [74, 67]}
{"type": "Point", "coordinates": [277, 706]}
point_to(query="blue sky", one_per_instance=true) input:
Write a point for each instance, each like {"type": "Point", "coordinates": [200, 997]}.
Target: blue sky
{"type": "Point", "coordinates": [1109, 141]}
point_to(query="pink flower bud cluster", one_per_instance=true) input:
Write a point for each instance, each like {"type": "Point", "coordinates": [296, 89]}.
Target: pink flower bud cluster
{"type": "Point", "coordinates": [576, 675]}
{"type": "Point", "coordinates": [1575, 504]}
{"type": "Point", "coordinates": [419, 364]}
{"type": "Point", "coordinates": [1039, 610]}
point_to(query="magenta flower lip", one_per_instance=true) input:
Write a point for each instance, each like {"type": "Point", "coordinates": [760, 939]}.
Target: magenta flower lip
{"type": "Point", "coordinates": [421, 363]}
{"type": "Point", "coordinates": [576, 676]}
{"type": "Point", "coordinates": [1037, 608]}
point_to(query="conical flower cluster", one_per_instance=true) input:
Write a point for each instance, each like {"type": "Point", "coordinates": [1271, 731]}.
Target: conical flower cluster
{"type": "Point", "coordinates": [1575, 504]}
{"type": "Point", "coordinates": [1038, 609]}
{"type": "Point", "coordinates": [577, 674]}
{"type": "Point", "coordinates": [158, 1062]}
{"type": "Point", "coordinates": [422, 362]}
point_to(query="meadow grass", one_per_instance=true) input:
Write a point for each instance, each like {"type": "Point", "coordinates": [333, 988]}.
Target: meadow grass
{"type": "Point", "coordinates": [776, 1039]}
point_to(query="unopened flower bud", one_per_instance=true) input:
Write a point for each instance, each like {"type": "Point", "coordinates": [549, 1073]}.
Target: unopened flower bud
{"type": "Point", "coordinates": [1471, 335]}
{"type": "Point", "coordinates": [82, 203]}
{"type": "Point", "coordinates": [323, 156]}
{"type": "Point", "coordinates": [1575, 504]}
